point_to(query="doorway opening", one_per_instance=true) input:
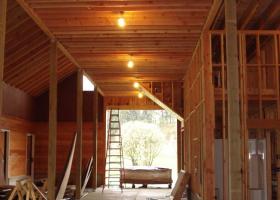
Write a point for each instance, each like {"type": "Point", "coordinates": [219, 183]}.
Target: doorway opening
{"type": "Point", "coordinates": [4, 153]}
{"type": "Point", "coordinates": [30, 155]}
{"type": "Point", "coordinates": [149, 140]}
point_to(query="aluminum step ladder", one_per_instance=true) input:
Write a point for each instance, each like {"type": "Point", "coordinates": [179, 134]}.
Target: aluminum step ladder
{"type": "Point", "coordinates": [114, 153]}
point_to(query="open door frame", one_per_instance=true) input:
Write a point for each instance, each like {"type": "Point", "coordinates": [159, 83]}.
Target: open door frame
{"type": "Point", "coordinates": [6, 153]}
{"type": "Point", "coordinates": [32, 154]}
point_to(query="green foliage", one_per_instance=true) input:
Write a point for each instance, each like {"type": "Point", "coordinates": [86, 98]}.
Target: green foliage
{"type": "Point", "coordinates": [141, 142]}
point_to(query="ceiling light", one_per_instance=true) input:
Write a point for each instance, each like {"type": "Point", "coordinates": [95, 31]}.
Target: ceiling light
{"type": "Point", "coordinates": [136, 85]}
{"type": "Point", "coordinates": [121, 22]}
{"type": "Point", "coordinates": [140, 95]}
{"type": "Point", "coordinates": [130, 64]}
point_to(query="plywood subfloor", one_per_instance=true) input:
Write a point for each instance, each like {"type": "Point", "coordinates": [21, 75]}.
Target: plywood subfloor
{"type": "Point", "coordinates": [128, 194]}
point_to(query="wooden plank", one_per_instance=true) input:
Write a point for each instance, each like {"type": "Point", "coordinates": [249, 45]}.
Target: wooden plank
{"type": "Point", "coordinates": [234, 128]}
{"type": "Point", "coordinates": [94, 138]}
{"type": "Point", "coordinates": [268, 164]}
{"type": "Point", "coordinates": [52, 121]}
{"type": "Point", "coordinates": [79, 118]}
{"type": "Point", "coordinates": [179, 146]}
{"type": "Point", "coordinates": [160, 103]}
{"type": "Point", "coordinates": [67, 171]}
{"type": "Point", "coordinates": [209, 121]}
{"type": "Point", "coordinates": [3, 15]}
{"type": "Point", "coordinates": [180, 185]}
{"type": "Point", "coordinates": [263, 124]}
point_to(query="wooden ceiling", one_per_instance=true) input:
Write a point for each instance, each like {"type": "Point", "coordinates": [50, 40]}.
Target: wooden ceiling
{"type": "Point", "coordinates": [27, 53]}
{"type": "Point", "coordinates": [254, 15]}
{"type": "Point", "coordinates": [160, 37]}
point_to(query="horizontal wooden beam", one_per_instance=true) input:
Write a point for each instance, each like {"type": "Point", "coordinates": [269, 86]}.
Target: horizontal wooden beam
{"type": "Point", "coordinates": [263, 124]}
{"type": "Point", "coordinates": [160, 103]}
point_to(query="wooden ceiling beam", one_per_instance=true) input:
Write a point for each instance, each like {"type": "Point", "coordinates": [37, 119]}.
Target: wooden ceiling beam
{"type": "Point", "coordinates": [123, 5]}
{"type": "Point", "coordinates": [160, 103]}
{"type": "Point", "coordinates": [126, 36]}
{"type": "Point", "coordinates": [128, 30]}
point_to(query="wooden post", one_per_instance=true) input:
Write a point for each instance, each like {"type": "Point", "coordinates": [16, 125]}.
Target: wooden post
{"type": "Point", "coordinates": [3, 16]}
{"type": "Point", "coordinates": [234, 129]}
{"type": "Point", "coordinates": [79, 147]}
{"type": "Point", "coordinates": [52, 121]}
{"type": "Point", "coordinates": [94, 137]}
{"type": "Point", "coordinates": [208, 121]}
{"type": "Point", "coordinates": [179, 147]}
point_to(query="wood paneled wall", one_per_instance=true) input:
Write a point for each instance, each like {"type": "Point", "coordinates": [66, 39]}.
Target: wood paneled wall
{"type": "Point", "coordinates": [16, 103]}
{"type": "Point", "coordinates": [18, 130]}
{"type": "Point", "coordinates": [65, 135]}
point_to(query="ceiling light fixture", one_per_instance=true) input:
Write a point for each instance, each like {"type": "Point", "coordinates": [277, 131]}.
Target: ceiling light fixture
{"type": "Point", "coordinates": [140, 95]}
{"type": "Point", "coordinates": [130, 64]}
{"type": "Point", "coordinates": [121, 22]}
{"type": "Point", "coordinates": [136, 85]}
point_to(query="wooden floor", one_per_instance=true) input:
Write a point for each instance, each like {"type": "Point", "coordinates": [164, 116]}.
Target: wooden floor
{"type": "Point", "coordinates": [129, 194]}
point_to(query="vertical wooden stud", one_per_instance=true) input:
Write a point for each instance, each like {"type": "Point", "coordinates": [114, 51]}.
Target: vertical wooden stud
{"type": "Point", "coordinates": [209, 120]}
{"type": "Point", "coordinates": [3, 16]}
{"type": "Point", "coordinates": [179, 147]}
{"type": "Point", "coordinates": [79, 147]}
{"type": "Point", "coordinates": [234, 129]}
{"type": "Point", "coordinates": [94, 137]}
{"type": "Point", "coordinates": [268, 165]}
{"type": "Point", "coordinates": [52, 121]}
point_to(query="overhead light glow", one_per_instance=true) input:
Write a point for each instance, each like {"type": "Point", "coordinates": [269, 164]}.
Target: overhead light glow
{"type": "Point", "coordinates": [140, 95]}
{"type": "Point", "coordinates": [130, 64]}
{"type": "Point", "coordinates": [87, 84]}
{"type": "Point", "coordinates": [121, 22]}
{"type": "Point", "coordinates": [136, 85]}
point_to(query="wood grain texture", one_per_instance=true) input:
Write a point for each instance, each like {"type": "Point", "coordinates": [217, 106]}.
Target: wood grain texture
{"type": "Point", "coordinates": [65, 134]}
{"type": "Point", "coordinates": [79, 130]}
{"type": "Point", "coordinates": [3, 17]}
{"type": "Point", "coordinates": [17, 155]}
{"type": "Point", "coordinates": [52, 122]}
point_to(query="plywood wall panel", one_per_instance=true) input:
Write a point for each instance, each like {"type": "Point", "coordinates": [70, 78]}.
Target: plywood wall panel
{"type": "Point", "coordinates": [18, 130]}
{"type": "Point", "coordinates": [65, 135]}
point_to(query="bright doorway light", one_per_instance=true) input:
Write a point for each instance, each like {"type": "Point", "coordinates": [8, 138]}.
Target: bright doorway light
{"type": "Point", "coordinates": [87, 84]}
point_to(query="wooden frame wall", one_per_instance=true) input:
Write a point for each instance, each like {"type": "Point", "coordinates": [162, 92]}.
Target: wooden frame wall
{"type": "Point", "coordinates": [259, 91]}
{"type": "Point", "coordinates": [199, 108]}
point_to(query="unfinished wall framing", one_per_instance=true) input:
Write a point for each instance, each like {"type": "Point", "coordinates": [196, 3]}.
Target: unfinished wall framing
{"type": "Point", "coordinates": [260, 106]}
{"type": "Point", "coordinates": [199, 126]}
